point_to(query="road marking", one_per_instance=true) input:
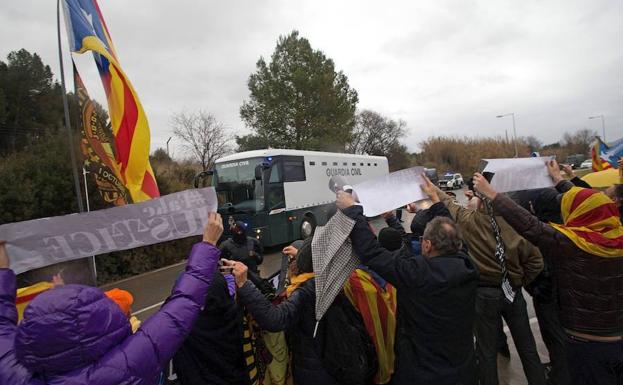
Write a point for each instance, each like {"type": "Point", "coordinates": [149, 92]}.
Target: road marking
{"type": "Point", "coordinates": [143, 310]}
{"type": "Point", "coordinates": [113, 284]}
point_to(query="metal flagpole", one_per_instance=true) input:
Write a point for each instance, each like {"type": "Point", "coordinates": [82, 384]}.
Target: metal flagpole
{"type": "Point", "coordinates": [74, 168]}
{"type": "Point", "coordinates": [70, 136]}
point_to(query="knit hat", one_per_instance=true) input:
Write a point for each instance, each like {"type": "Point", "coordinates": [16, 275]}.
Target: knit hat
{"type": "Point", "coordinates": [122, 298]}
{"type": "Point", "coordinates": [390, 238]}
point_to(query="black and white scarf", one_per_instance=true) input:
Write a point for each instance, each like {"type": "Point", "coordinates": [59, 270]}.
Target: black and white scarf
{"type": "Point", "coordinates": [500, 252]}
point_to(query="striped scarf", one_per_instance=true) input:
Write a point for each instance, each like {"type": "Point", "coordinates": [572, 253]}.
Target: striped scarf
{"type": "Point", "coordinates": [500, 252]}
{"type": "Point", "coordinates": [377, 307]}
{"type": "Point", "coordinates": [592, 222]}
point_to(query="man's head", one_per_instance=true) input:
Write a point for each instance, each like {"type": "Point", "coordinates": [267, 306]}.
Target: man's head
{"type": "Point", "coordinates": [616, 194]}
{"type": "Point", "coordinates": [390, 239]}
{"type": "Point", "coordinates": [239, 232]}
{"type": "Point", "coordinates": [441, 237]}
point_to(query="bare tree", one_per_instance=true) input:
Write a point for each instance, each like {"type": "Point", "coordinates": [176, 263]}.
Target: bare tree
{"type": "Point", "coordinates": [205, 137]}
{"type": "Point", "coordinates": [579, 142]}
{"type": "Point", "coordinates": [375, 134]}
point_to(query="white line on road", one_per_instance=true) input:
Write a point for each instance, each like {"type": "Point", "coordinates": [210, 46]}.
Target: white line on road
{"type": "Point", "coordinates": [143, 310]}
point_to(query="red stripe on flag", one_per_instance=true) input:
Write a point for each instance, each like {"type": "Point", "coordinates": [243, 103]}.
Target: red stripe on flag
{"type": "Point", "coordinates": [149, 186]}
{"type": "Point", "coordinates": [601, 240]}
{"type": "Point", "coordinates": [362, 303]}
{"type": "Point", "coordinates": [580, 197]}
{"type": "Point", "coordinates": [123, 139]}
{"type": "Point", "coordinates": [595, 215]}
{"type": "Point", "coordinates": [27, 298]}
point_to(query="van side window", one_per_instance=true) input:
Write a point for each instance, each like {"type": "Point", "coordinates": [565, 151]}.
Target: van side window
{"type": "Point", "coordinates": [293, 170]}
{"type": "Point", "coordinates": [275, 174]}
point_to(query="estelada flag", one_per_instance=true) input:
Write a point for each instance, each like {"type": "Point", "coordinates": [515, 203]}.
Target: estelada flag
{"type": "Point", "coordinates": [88, 32]}
{"type": "Point", "coordinates": [597, 150]}
{"type": "Point", "coordinates": [27, 294]}
{"type": "Point", "coordinates": [98, 149]}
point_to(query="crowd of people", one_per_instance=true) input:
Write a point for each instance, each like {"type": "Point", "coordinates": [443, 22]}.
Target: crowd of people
{"type": "Point", "coordinates": [421, 307]}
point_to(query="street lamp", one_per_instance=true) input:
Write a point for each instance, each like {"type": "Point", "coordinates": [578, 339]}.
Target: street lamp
{"type": "Point", "coordinates": [603, 124]}
{"type": "Point", "coordinates": [514, 129]}
{"type": "Point", "coordinates": [168, 140]}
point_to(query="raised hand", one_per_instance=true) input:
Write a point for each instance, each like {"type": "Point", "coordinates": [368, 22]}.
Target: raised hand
{"type": "Point", "coordinates": [554, 170]}
{"type": "Point", "coordinates": [481, 185]}
{"type": "Point", "coordinates": [213, 229]}
{"type": "Point", "coordinates": [429, 189]}
{"type": "Point", "coordinates": [4, 257]}
{"type": "Point", "coordinates": [568, 170]}
{"type": "Point", "coordinates": [238, 269]}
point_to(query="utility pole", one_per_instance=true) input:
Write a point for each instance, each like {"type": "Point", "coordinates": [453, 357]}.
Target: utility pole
{"type": "Point", "coordinates": [514, 130]}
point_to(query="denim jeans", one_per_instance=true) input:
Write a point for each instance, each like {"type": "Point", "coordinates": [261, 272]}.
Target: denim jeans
{"type": "Point", "coordinates": [490, 306]}
{"type": "Point", "coordinates": [555, 339]}
{"type": "Point", "coordinates": [595, 363]}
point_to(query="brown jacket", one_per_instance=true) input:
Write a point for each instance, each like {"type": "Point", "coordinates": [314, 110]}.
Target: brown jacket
{"type": "Point", "coordinates": [590, 288]}
{"type": "Point", "coordinates": [523, 261]}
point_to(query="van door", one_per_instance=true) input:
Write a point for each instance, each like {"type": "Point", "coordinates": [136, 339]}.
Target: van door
{"type": "Point", "coordinates": [276, 206]}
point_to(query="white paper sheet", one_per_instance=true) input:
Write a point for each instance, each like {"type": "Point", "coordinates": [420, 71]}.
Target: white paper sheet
{"type": "Point", "coordinates": [391, 191]}
{"type": "Point", "coordinates": [514, 174]}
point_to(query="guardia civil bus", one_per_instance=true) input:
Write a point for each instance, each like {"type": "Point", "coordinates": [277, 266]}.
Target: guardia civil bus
{"type": "Point", "coordinates": [282, 195]}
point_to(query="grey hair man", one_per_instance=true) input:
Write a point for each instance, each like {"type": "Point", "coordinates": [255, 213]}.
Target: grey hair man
{"type": "Point", "coordinates": [436, 300]}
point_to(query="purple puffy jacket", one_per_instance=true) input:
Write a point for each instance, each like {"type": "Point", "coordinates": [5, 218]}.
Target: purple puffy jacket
{"type": "Point", "coordinates": [74, 334]}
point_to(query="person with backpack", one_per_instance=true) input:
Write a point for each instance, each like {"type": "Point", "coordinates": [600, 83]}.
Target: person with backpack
{"type": "Point", "coordinates": [341, 353]}
{"type": "Point", "coordinates": [436, 299]}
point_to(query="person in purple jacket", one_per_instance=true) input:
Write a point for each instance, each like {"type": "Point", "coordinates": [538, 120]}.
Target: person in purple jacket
{"type": "Point", "coordinates": [74, 334]}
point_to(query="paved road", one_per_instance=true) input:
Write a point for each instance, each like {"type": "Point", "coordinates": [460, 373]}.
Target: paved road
{"type": "Point", "coordinates": [151, 289]}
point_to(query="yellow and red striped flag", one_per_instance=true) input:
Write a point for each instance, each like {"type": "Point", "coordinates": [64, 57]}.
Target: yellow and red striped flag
{"type": "Point", "coordinates": [377, 306]}
{"type": "Point", "coordinates": [88, 32]}
{"type": "Point", "coordinates": [598, 163]}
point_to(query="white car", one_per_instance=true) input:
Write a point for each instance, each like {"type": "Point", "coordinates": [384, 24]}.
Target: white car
{"type": "Point", "coordinates": [450, 181]}
{"type": "Point", "coordinates": [588, 163]}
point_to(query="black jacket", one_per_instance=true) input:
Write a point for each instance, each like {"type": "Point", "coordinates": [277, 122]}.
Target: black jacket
{"type": "Point", "coordinates": [296, 316]}
{"type": "Point", "coordinates": [436, 309]}
{"type": "Point", "coordinates": [242, 253]}
{"type": "Point", "coordinates": [212, 353]}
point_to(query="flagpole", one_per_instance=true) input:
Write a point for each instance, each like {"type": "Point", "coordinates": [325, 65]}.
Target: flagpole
{"type": "Point", "coordinates": [72, 152]}
{"type": "Point", "coordinates": [70, 136]}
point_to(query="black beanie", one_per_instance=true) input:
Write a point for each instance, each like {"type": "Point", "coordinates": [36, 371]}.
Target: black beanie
{"type": "Point", "coordinates": [390, 239]}
{"type": "Point", "coordinates": [304, 262]}
{"type": "Point", "coordinates": [419, 222]}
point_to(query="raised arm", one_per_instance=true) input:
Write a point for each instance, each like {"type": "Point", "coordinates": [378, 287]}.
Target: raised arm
{"type": "Point", "coordinates": [11, 371]}
{"type": "Point", "coordinates": [145, 353]}
{"type": "Point", "coordinates": [399, 271]}
{"type": "Point", "coordinates": [271, 317]}
{"type": "Point", "coordinates": [525, 224]}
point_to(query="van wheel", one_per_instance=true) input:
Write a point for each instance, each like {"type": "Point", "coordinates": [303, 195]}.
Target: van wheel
{"type": "Point", "coordinates": [307, 227]}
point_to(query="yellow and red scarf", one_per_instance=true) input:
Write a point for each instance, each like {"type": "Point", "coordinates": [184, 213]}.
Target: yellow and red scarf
{"type": "Point", "coordinates": [297, 281]}
{"type": "Point", "coordinates": [592, 222]}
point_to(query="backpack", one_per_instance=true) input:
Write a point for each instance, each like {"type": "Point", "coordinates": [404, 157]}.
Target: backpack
{"type": "Point", "coordinates": [346, 349]}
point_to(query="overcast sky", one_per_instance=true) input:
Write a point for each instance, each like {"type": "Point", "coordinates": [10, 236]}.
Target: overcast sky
{"type": "Point", "coordinates": [445, 67]}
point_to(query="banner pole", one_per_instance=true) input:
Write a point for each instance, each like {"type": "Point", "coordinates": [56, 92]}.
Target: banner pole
{"type": "Point", "coordinates": [72, 153]}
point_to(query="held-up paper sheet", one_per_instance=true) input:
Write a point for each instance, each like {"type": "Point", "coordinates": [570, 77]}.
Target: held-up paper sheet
{"type": "Point", "coordinates": [514, 174]}
{"type": "Point", "coordinates": [391, 191]}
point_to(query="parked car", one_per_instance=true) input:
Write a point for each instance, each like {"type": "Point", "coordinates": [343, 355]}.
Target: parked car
{"type": "Point", "coordinates": [450, 181]}
{"type": "Point", "coordinates": [588, 163]}
{"type": "Point", "coordinates": [575, 160]}
{"type": "Point", "coordinates": [431, 173]}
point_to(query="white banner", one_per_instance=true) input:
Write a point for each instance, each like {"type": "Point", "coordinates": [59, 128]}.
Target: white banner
{"type": "Point", "coordinates": [514, 174]}
{"type": "Point", "coordinates": [388, 192]}
{"type": "Point", "coordinates": [46, 241]}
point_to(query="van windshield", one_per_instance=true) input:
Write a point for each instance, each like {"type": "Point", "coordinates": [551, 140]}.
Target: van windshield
{"type": "Point", "coordinates": [236, 187]}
